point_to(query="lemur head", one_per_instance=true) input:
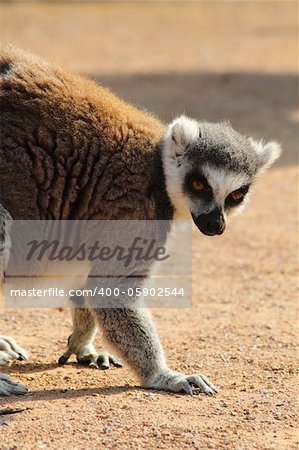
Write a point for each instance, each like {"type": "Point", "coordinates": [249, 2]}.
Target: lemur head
{"type": "Point", "coordinates": [209, 170]}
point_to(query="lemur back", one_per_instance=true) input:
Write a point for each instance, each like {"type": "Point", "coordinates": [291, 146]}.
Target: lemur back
{"type": "Point", "coordinates": [71, 149]}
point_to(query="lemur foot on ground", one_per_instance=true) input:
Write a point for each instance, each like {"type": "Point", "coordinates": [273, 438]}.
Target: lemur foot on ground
{"type": "Point", "coordinates": [172, 381]}
{"type": "Point", "coordinates": [9, 351]}
{"type": "Point", "coordinates": [87, 355]}
{"type": "Point", "coordinates": [10, 387]}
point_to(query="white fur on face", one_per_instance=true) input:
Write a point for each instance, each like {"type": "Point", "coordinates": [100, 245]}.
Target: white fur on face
{"type": "Point", "coordinates": [223, 182]}
{"type": "Point", "coordinates": [181, 133]}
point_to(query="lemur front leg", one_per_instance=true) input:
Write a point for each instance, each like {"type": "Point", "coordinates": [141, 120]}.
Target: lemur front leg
{"type": "Point", "coordinates": [80, 342]}
{"type": "Point", "coordinates": [132, 332]}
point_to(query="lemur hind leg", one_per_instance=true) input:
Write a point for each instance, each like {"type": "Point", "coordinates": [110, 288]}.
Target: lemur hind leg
{"type": "Point", "coordinates": [9, 349]}
{"type": "Point", "coordinates": [132, 332]}
{"type": "Point", "coordinates": [80, 342]}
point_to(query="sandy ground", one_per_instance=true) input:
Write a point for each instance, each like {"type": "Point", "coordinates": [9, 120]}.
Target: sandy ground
{"type": "Point", "coordinates": [213, 60]}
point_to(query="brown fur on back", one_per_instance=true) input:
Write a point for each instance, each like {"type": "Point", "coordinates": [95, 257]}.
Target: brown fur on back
{"type": "Point", "coordinates": [72, 149]}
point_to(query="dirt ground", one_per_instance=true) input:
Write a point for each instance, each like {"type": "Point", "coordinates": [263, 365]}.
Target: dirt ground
{"type": "Point", "coordinates": [213, 60]}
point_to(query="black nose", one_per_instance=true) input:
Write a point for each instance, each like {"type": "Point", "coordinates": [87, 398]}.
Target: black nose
{"type": "Point", "coordinates": [211, 223]}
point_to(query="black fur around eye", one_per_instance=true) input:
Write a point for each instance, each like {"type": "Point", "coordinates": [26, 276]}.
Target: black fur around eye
{"type": "Point", "coordinates": [236, 197]}
{"type": "Point", "coordinates": [197, 185]}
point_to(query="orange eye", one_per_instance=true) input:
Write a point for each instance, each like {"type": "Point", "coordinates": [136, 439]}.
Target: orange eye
{"type": "Point", "coordinates": [237, 195]}
{"type": "Point", "coordinates": [197, 185]}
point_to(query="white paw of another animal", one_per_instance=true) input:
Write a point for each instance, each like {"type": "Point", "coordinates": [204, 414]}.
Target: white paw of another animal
{"type": "Point", "coordinates": [10, 387]}
{"type": "Point", "coordinates": [168, 380]}
{"type": "Point", "coordinates": [10, 350]}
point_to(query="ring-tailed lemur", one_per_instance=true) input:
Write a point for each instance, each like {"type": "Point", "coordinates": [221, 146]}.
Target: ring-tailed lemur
{"type": "Point", "coordinates": [70, 149]}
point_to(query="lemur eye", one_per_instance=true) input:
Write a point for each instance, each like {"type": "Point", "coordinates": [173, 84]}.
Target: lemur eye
{"type": "Point", "coordinates": [237, 196]}
{"type": "Point", "coordinates": [197, 185]}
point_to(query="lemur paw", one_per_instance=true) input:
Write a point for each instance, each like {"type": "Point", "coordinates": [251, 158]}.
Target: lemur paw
{"type": "Point", "coordinates": [169, 380]}
{"type": "Point", "coordinates": [10, 387]}
{"type": "Point", "coordinates": [102, 360]}
{"type": "Point", "coordinates": [10, 350]}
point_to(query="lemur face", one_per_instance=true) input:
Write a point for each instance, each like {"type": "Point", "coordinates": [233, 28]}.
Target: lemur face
{"type": "Point", "coordinates": [209, 170]}
{"type": "Point", "coordinates": [212, 194]}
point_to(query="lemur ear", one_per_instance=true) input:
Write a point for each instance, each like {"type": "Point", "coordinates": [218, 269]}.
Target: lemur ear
{"type": "Point", "coordinates": [267, 153]}
{"type": "Point", "coordinates": [183, 132]}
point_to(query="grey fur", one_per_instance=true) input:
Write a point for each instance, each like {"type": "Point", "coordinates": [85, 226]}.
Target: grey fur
{"type": "Point", "coordinates": [222, 147]}
{"type": "Point", "coordinates": [10, 387]}
{"type": "Point", "coordinates": [5, 225]}
{"type": "Point", "coordinates": [80, 342]}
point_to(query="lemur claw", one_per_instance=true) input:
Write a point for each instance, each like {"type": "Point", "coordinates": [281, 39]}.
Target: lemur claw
{"type": "Point", "coordinates": [63, 360]}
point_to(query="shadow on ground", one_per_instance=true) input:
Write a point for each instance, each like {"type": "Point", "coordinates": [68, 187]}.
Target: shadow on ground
{"type": "Point", "coordinates": [52, 394]}
{"type": "Point", "coordinates": [37, 367]}
{"type": "Point", "coordinates": [259, 105]}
